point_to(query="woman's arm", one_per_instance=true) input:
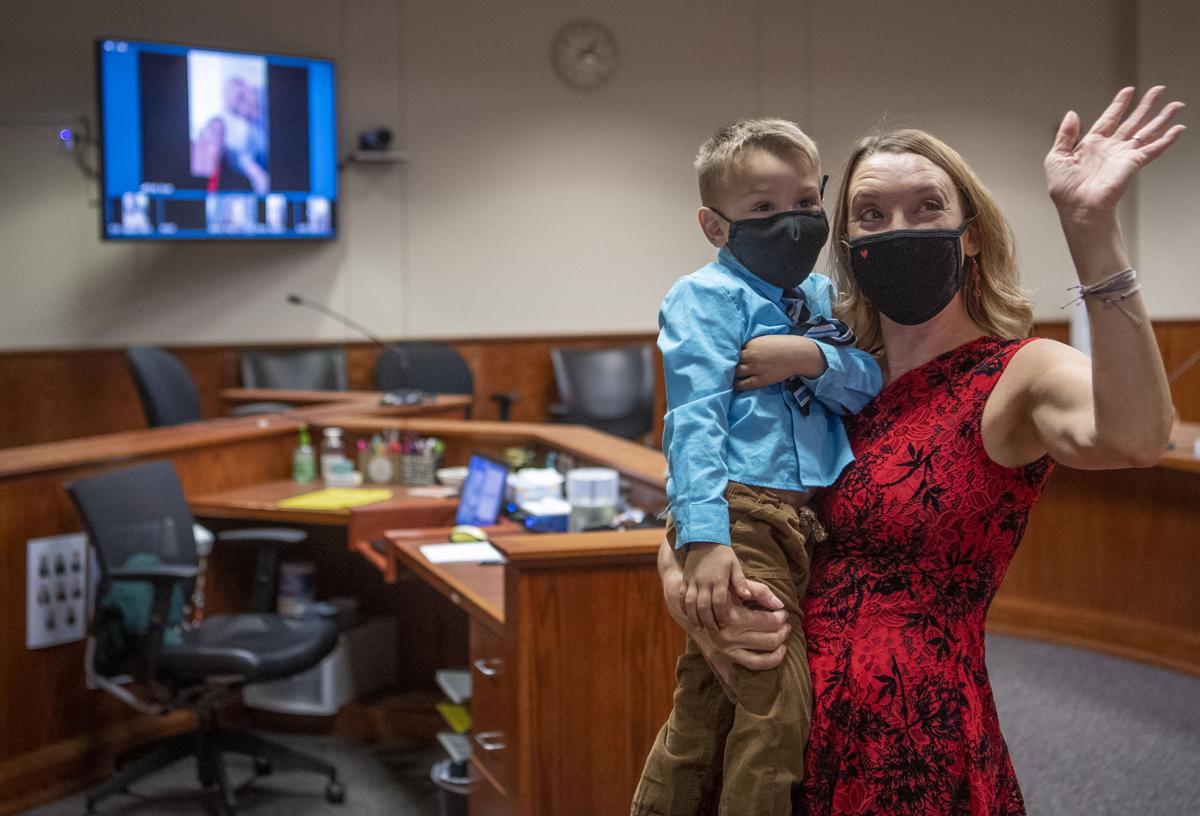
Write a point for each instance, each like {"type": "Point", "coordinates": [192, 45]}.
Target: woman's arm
{"type": "Point", "coordinates": [1114, 410]}
{"type": "Point", "coordinates": [754, 638]}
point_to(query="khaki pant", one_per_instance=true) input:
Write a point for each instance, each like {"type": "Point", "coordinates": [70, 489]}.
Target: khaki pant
{"type": "Point", "coordinates": [739, 751]}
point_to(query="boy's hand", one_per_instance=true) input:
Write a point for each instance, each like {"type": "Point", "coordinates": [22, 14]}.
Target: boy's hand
{"type": "Point", "coordinates": [709, 573]}
{"type": "Point", "coordinates": [773, 358]}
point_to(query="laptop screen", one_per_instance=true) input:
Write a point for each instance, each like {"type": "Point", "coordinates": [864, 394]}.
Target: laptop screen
{"type": "Point", "coordinates": [482, 492]}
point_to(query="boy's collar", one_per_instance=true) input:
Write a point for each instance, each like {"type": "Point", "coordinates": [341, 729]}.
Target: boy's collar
{"type": "Point", "coordinates": [768, 290]}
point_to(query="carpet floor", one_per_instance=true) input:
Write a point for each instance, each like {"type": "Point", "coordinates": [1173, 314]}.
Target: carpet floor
{"type": "Point", "coordinates": [1090, 735]}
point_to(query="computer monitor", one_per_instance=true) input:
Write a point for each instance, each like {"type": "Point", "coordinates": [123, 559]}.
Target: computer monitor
{"type": "Point", "coordinates": [203, 143]}
{"type": "Point", "coordinates": [482, 492]}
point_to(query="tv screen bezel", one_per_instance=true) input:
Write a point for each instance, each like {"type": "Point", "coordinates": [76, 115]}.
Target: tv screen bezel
{"type": "Point", "coordinates": [101, 169]}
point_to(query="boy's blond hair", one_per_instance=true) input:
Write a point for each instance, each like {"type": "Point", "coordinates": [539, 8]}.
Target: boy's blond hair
{"type": "Point", "coordinates": [719, 158]}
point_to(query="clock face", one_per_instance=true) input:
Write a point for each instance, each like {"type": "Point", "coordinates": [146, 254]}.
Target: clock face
{"type": "Point", "coordinates": [584, 54]}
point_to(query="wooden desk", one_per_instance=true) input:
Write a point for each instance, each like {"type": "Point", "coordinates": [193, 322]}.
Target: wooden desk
{"type": "Point", "coordinates": [361, 402]}
{"type": "Point", "coordinates": [363, 525]}
{"type": "Point", "coordinates": [572, 667]}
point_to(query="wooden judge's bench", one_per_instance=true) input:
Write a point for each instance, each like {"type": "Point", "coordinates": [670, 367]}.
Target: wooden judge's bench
{"type": "Point", "coordinates": [571, 649]}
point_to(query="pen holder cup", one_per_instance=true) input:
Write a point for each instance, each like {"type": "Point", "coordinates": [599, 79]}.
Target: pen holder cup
{"type": "Point", "coordinates": [419, 468]}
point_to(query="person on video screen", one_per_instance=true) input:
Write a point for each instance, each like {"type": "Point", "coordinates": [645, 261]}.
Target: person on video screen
{"type": "Point", "coordinates": [211, 161]}
{"type": "Point", "coordinates": [245, 138]}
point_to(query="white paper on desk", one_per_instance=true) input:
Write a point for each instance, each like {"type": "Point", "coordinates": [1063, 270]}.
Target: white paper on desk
{"type": "Point", "coordinates": [472, 551]}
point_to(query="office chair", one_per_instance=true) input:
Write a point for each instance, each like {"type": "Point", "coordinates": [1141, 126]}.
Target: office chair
{"type": "Point", "coordinates": [609, 389]}
{"type": "Point", "coordinates": [140, 525]}
{"type": "Point", "coordinates": [434, 367]}
{"type": "Point", "coordinates": [165, 388]}
{"type": "Point", "coordinates": [315, 369]}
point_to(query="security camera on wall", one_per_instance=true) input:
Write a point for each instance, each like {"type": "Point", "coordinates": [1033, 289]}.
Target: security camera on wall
{"type": "Point", "coordinates": [375, 139]}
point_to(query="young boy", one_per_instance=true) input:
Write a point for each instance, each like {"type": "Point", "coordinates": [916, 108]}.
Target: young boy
{"type": "Point", "coordinates": [742, 465]}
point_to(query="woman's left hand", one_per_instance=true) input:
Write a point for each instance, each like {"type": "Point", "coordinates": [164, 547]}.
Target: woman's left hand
{"type": "Point", "coordinates": [1092, 175]}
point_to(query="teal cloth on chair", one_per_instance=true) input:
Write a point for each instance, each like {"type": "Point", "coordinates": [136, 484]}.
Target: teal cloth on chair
{"type": "Point", "coordinates": [123, 617]}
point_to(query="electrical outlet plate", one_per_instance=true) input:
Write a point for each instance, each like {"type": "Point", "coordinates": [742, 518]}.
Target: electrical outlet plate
{"type": "Point", "coordinates": [56, 590]}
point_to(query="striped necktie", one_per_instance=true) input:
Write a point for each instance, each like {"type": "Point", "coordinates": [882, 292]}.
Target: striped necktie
{"type": "Point", "coordinates": [820, 328]}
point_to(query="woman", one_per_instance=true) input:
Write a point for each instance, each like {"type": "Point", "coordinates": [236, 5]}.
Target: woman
{"type": "Point", "coordinates": [951, 456]}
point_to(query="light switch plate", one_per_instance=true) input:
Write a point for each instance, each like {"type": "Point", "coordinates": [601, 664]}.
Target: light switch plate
{"type": "Point", "coordinates": [56, 590]}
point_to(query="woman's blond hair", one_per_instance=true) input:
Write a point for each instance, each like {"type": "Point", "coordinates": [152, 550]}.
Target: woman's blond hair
{"type": "Point", "coordinates": [998, 306]}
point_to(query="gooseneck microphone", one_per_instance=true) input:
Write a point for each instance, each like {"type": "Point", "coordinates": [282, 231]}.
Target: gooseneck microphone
{"type": "Point", "coordinates": [398, 396]}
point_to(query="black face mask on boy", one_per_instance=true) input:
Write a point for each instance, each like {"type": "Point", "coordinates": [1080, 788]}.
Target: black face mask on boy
{"type": "Point", "coordinates": [910, 275]}
{"type": "Point", "coordinates": [781, 249]}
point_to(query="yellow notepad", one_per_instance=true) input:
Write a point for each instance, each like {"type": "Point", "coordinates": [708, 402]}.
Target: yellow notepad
{"type": "Point", "coordinates": [456, 716]}
{"type": "Point", "coordinates": [336, 498]}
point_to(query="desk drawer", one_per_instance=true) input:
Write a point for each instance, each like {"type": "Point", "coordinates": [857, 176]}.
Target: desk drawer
{"type": "Point", "coordinates": [492, 739]}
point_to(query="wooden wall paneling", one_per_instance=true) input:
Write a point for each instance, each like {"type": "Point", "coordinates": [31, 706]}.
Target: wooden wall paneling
{"type": "Point", "coordinates": [1109, 562]}
{"type": "Point", "coordinates": [212, 369]}
{"type": "Point", "coordinates": [46, 396]}
{"type": "Point", "coordinates": [360, 365]}
{"type": "Point", "coordinates": [1179, 340]}
{"type": "Point", "coordinates": [67, 393]}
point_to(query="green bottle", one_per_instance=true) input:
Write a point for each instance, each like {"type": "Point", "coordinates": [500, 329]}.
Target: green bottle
{"type": "Point", "coordinates": [304, 460]}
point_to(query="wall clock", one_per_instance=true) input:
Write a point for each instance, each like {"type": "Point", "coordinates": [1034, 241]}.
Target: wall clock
{"type": "Point", "coordinates": [584, 54]}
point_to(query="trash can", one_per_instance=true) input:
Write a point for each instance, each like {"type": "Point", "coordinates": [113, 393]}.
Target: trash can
{"type": "Point", "coordinates": [454, 783]}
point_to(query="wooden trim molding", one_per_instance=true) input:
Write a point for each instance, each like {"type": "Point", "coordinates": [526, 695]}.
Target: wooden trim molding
{"type": "Point", "coordinates": [1172, 647]}
{"type": "Point", "coordinates": [60, 768]}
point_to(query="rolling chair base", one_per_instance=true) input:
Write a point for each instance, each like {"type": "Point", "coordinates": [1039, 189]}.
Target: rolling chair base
{"type": "Point", "coordinates": [209, 745]}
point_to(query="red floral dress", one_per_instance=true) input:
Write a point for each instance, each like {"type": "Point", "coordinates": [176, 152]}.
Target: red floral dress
{"type": "Point", "coordinates": [922, 527]}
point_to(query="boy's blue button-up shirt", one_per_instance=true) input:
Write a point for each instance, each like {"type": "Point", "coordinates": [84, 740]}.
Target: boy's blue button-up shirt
{"type": "Point", "coordinates": [714, 434]}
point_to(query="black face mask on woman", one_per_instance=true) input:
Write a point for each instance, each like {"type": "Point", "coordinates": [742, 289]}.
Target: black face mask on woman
{"type": "Point", "coordinates": [781, 249]}
{"type": "Point", "coordinates": [910, 275]}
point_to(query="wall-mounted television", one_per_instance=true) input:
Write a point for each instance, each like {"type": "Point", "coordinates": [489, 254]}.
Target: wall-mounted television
{"type": "Point", "coordinates": [201, 143]}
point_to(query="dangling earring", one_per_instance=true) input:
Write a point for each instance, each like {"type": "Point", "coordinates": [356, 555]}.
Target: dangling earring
{"type": "Point", "coordinates": [975, 275]}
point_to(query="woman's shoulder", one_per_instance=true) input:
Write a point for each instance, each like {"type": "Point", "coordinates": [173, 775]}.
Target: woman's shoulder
{"type": "Point", "coordinates": [1034, 358]}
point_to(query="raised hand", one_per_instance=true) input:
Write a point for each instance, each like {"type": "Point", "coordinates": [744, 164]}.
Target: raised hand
{"type": "Point", "coordinates": [1090, 175]}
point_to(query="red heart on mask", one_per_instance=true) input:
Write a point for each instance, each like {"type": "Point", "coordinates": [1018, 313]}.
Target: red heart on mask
{"type": "Point", "coordinates": [862, 252]}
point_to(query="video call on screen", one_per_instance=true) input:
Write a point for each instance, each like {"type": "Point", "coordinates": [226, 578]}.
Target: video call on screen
{"type": "Point", "coordinates": [208, 144]}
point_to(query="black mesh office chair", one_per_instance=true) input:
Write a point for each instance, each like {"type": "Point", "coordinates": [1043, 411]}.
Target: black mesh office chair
{"type": "Point", "coordinates": [141, 527]}
{"type": "Point", "coordinates": [164, 386]}
{"type": "Point", "coordinates": [610, 389]}
{"type": "Point", "coordinates": [434, 367]}
{"type": "Point", "coordinates": [314, 369]}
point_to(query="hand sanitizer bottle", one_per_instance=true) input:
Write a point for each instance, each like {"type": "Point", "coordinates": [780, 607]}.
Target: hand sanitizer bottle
{"type": "Point", "coordinates": [304, 459]}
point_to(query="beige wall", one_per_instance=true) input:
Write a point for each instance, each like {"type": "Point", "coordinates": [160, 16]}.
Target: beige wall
{"type": "Point", "coordinates": [1168, 195]}
{"type": "Point", "coordinates": [527, 207]}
